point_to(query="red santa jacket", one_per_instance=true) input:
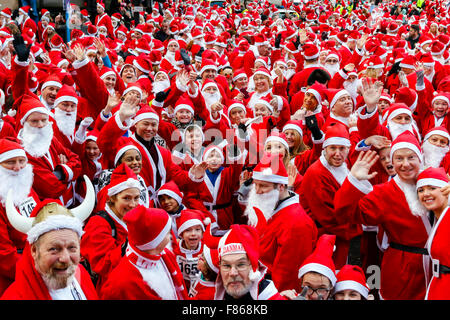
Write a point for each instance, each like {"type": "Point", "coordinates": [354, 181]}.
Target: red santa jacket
{"type": "Point", "coordinates": [438, 248]}
{"type": "Point", "coordinates": [12, 242]}
{"type": "Point", "coordinates": [100, 248]}
{"type": "Point", "coordinates": [129, 280]}
{"type": "Point", "coordinates": [287, 239]}
{"type": "Point", "coordinates": [403, 274]}
{"type": "Point", "coordinates": [202, 289]}
{"type": "Point", "coordinates": [187, 261]}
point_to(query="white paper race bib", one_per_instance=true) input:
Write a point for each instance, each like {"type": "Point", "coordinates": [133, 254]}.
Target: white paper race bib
{"type": "Point", "coordinates": [26, 207]}
{"type": "Point", "coordinates": [188, 267]}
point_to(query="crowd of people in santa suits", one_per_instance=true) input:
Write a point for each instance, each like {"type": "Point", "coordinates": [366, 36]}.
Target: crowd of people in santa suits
{"type": "Point", "coordinates": [307, 133]}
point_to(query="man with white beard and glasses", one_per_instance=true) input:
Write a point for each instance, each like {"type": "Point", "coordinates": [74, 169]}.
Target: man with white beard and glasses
{"type": "Point", "coordinates": [16, 174]}
{"type": "Point", "coordinates": [290, 234]}
{"type": "Point", "coordinates": [55, 168]}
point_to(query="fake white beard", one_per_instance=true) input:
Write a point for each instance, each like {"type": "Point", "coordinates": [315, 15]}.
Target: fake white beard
{"type": "Point", "coordinates": [433, 155]}
{"type": "Point", "coordinates": [430, 76]}
{"type": "Point", "coordinates": [265, 202]}
{"type": "Point", "coordinates": [290, 73]}
{"type": "Point", "coordinates": [274, 75]}
{"type": "Point", "coordinates": [352, 87]}
{"type": "Point", "coordinates": [170, 56]}
{"type": "Point", "coordinates": [159, 86]}
{"type": "Point", "coordinates": [36, 141]}
{"type": "Point", "coordinates": [65, 121]}
{"type": "Point", "coordinates": [20, 182]}
{"type": "Point", "coordinates": [409, 190]}
{"type": "Point", "coordinates": [211, 98]}
{"type": "Point", "coordinates": [158, 279]}
{"type": "Point", "coordinates": [396, 129]}
{"type": "Point", "coordinates": [332, 68]}
{"type": "Point", "coordinates": [19, 19]}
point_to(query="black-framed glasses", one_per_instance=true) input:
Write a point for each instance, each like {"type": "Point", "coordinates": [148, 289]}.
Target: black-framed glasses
{"type": "Point", "coordinates": [318, 291]}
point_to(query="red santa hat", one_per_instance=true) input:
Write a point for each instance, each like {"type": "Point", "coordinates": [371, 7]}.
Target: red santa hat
{"type": "Point", "coordinates": [66, 93]}
{"type": "Point", "coordinates": [235, 104]}
{"type": "Point", "coordinates": [171, 189]}
{"type": "Point", "coordinates": [242, 239]}
{"type": "Point", "coordinates": [145, 112]}
{"type": "Point", "coordinates": [395, 109]}
{"type": "Point", "coordinates": [122, 178]}
{"type": "Point", "coordinates": [106, 72]}
{"type": "Point", "coordinates": [436, 177]}
{"type": "Point", "coordinates": [133, 86]}
{"type": "Point", "coordinates": [6, 12]}
{"type": "Point", "coordinates": [406, 140]}
{"type": "Point", "coordinates": [28, 105]}
{"type": "Point", "coordinates": [189, 218]}
{"type": "Point", "coordinates": [11, 148]}
{"type": "Point", "coordinates": [238, 74]}
{"type": "Point", "coordinates": [310, 51]}
{"type": "Point", "coordinates": [263, 60]}
{"type": "Point", "coordinates": [101, 5]}
{"type": "Point", "coordinates": [147, 227]}
{"type": "Point", "coordinates": [318, 90]}
{"type": "Point", "coordinates": [333, 95]}
{"type": "Point", "coordinates": [184, 104]}
{"type": "Point", "coordinates": [92, 135]}
{"type": "Point", "coordinates": [51, 81]}
{"type": "Point", "coordinates": [407, 96]}
{"type": "Point", "coordinates": [25, 9]}
{"type": "Point", "coordinates": [211, 258]}
{"type": "Point", "coordinates": [212, 148]}
{"type": "Point", "coordinates": [437, 48]}
{"type": "Point", "coordinates": [352, 277]}
{"type": "Point", "coordinates": [271, 169]}
{"type": "Point", "coordinates": [123, 145]}
{"type": "Point", "coordinates": [336, 134]}
{"type": "Point", "coordinates": [294, 125]}
{"type": "Point", "coordinates": [387, 97]}
{"type": "Point", "coordinates": [441, 96]}
{"type": "Point", "coordinates": [207, 64]}
{"type": "Point", "coordinates": [143, 64]}
{"type": "Point", "coordinates": [408, 62]}
{"type": "Point", "coordinates": [321, 260]}
{"type": "Point", "coordinates": [56, 41]}
{"type": "Point", "coordinates": [374, 62]}
{"type": "Point", "coordinates": [440, 130]}
{"type": "Point", "coordinates": [278, 137]}
{"type": "Point", "coordinates": [263, 71]}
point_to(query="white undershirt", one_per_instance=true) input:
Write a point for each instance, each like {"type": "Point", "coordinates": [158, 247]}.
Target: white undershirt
{"type": "Point", "coordinates": [71, 292]}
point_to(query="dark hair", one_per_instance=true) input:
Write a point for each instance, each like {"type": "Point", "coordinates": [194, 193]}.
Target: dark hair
{"type": "Point", "coordinates": [415, 27]}
{"type": "Point", "coordinates": [318, 75]}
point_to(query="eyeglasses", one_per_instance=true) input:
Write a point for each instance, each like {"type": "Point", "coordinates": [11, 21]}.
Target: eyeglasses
{"type": "Point", "coordinates": [239, 267]}
{"type": "Point", "coordinates": [318, 291]}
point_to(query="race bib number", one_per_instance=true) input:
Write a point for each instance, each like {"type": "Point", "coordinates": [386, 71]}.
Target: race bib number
{"type": "Point", "coordinates": [188, 267]}
{"type": "Point", "coordinates": [27, 206]}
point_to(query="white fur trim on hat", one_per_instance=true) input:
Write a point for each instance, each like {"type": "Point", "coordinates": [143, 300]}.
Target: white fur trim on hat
{"type": "Point", "coordinates": [352, 285]}
{"type": "Point", "coordinates": [51, 83]}
{"type": "Point", "coordinates": [291, 126]}
{"type": "Point", "coordinates": [127, 184]}
{"type": "Point", "coordinates": [183, 106]}
{"type": "Point", "coordinates": [132, 88]}
{"type": "Point", "coordinates": [406, 145]}
{"type": "Point", "coordinates": [438, 132]}
{"type": "Point", "coordinates": [265, 103]}
{"type": "Point", "coordinates": [339, 95]}
{"type": "Point", "coordinates": [339, 141]}
{"type": "Point", "coordinates": [207, 152]}
{"type": "Point", "coordinates": [65, 98]}
{"type": "Point", "coordinates": [207, 67]}
{"type": "Point", "coordinates": [122, 151]}
{"type": "Point", "coordinates": [108, 73]}
{"type": "Point", "coordinates": [319, 268]}
{"type": "Point", "coordinates": [12, 154]}
{"type": "Point", "coordinates": [268, 176]}
{"type": "Point", "coordinates": [316, 94]}
{"type": "Point", "coordinates": [440, 97]}
{"type": "Point", "coordinates": [277, 139]}
{"type": "Point", "coordinates": [188, 224]}
{"type": "Point", "coordinates": [37, 109]}
{"type": "Point", "coordinates": [55, 222]}
{"type": "Point", "coordinates": [146, 115]}
{"type": "Point", "coordinates": [431, 182]}
{"type": "Point", "coordinates": [395, 113]}
{"type": "Point", "coordinates": [238, 76]}
{"type": "Point", "coordinates": [171, 194]}
{"type": "Point", "coordinates": [159, 238]}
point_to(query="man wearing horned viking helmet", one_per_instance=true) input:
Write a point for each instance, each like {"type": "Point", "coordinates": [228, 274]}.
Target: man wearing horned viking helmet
{"type": "Point", "coordinates": [49, 268]}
